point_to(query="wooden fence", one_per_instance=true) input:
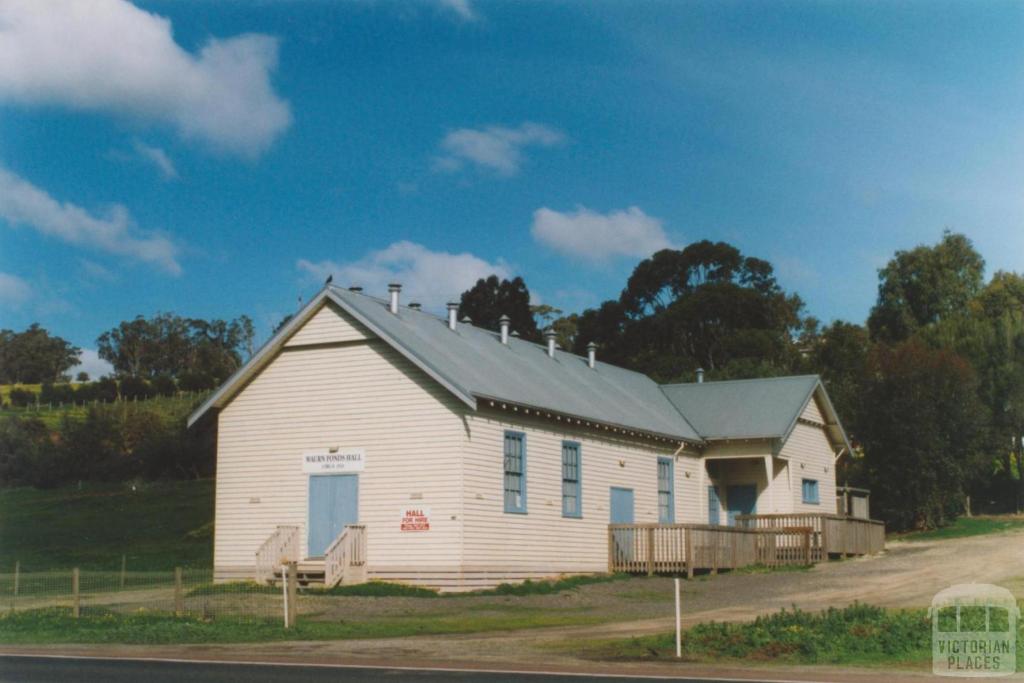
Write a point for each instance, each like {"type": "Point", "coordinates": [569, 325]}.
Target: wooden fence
{"type": "Point", "coordinates": [770, 540]}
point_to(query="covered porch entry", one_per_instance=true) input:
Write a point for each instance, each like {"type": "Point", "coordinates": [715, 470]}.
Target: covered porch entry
{"type": "Point", "coordinates": [737, 485]}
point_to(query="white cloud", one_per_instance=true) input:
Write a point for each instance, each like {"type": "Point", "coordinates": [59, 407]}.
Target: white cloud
{"type": "Point", "coordinates": [158, 158]}
{"type": "Point", "coordinates": [597, 237]}
{"type": "Point", "coordinates": [495, 148]}
{"type": "Point", "coordinates": [91, 362]}
{"type": "Point", "coordinates": [13, 291]}
{"type": "Point", "coordinates": [108, 55]}
{"type": "Point", "coordinates": [463, 9]}
{"type": "Point", "coordinates": [430, 277]}
{"type": "Point", "coordinates": [22, 203]}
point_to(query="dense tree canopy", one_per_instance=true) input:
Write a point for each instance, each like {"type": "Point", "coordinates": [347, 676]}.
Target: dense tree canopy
{"type": "Point", "coordinates": [491, 298]}
{"type": "Point", "coordinates": [199, 353]}
{"type": "Point", "coordinates": [35, 356]}
{"type": "Point", "coordinates": [706, 306]}
{"type": "Point", "coordinates": [924, 285]}
{"type": "Point", "coordinates": [922, 434]}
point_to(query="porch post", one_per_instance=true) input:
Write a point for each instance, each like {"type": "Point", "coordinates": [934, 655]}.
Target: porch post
{"type": "Point", "coordinates": [769, 471]}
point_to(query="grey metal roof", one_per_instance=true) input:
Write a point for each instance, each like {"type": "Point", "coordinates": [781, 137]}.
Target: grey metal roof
{"type": "Point", "coordinates": [475, 363]}
{"type": "Point", "coordinates": [765, 408]}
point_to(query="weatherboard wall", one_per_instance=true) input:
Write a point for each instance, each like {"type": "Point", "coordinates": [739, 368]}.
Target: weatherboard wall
{"type": "Point", "coordinates": [811, 456]}
{"type": "Point", "coordinates": [541, 541]}
{"type": "Point", "coordinates": [347, 390]}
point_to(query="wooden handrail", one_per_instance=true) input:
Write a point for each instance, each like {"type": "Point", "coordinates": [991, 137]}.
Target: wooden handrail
{"type": "Point", "coordinates": [347, 550]}
{"type": "Point", "coordinates": [282, 546]}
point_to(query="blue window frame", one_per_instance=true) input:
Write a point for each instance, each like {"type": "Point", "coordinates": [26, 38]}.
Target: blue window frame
{"type": "Point", "coordinates": [666, 491]}
{"type": "Point", "coordinates": [572, 490]}
{"type": "Point", "coordinates": [515, 472]}
{"type": "Point", "coordinates": [810, 491]}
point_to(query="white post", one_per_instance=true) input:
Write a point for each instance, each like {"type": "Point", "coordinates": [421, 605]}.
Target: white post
{"type": "Point", "coordinates": [679, 623]}
{"type": "Point", "coordinates": [284, 591]}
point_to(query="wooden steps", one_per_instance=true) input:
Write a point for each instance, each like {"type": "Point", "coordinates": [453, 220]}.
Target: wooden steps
{"type": "Point", "coordinates": [310, 571]}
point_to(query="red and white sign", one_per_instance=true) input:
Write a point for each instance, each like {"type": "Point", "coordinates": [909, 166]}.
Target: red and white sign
{"type": "Point", "coordinates": [415, 519]}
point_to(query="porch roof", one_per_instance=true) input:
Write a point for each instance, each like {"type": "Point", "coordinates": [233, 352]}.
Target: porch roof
{"type": "Point", "coordinates": [765, 408]}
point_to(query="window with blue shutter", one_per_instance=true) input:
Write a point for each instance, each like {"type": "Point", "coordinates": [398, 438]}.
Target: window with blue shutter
{"type": "Point", "coordinates": [810, 491]}
{"type": "Point", "coordinates": [515, 472]}
{"type": "Point", "coordinates": [666, 492]}
{"type": "Point", "coordinates": [572, 498]}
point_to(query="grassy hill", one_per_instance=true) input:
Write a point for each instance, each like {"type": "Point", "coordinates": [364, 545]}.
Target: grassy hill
{"type": "Point", "coordinates": [158, 525]}
{"type": "Point", "coordinates": [168, 406]}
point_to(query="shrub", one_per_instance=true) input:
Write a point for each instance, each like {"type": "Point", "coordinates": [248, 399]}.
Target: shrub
{"type": "Point", "coordinates": [135, 388]}
{"type": "Point", "coordinates": [22, 397]}
{"type": "Point", "coordinates": [163, 385]}
{"type": "Point", "coordinates": [56, 393]}
{"type": "Point", "coordinates": [105, 390]}
{"type": "Point", "coordinates": [196, 381]}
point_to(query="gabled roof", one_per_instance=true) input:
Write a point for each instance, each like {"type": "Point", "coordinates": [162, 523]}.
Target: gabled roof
{"type": "Point", "coordinates": [765, 408]}
{"type": "Point", "coordinates": [473, 364]}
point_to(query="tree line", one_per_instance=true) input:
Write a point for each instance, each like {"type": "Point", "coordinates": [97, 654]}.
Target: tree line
{"type": "Point", "coordinates": [930, 387]}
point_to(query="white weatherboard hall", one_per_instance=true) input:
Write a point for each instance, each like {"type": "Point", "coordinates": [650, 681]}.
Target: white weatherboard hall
{"type": "Point", "coordinates": [371, 440]}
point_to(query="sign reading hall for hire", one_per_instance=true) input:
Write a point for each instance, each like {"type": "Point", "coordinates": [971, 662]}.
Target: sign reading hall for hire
{"type": "Point", "coordinates": [338, 462]}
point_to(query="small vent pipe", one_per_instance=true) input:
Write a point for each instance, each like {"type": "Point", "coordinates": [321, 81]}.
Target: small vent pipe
{"type": "Point", "coordinates": [394, 289]}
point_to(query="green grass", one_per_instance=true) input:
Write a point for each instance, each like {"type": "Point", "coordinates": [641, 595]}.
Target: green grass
{"type": "Point", "coordinates": [159, 525]}
{"type": "Point", "coordinates": [168, 407]}
{"type": "Point", "coordinates": [377, 589]}
{"type": "Point", "coordinates": [859, 635]}
{"type": "Point", "coordinates": [56, 625]}
{"type": "Point", "coordinates": [529, 587]}
{"type": "Point", "coordinates": [968, 526]}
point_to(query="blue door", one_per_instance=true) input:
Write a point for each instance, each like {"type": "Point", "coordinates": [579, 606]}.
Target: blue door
{"type": "Point", "coordinates": [333, 503]}
{"type": "Point", "coordinates": [621, 512]}
{"type": "Point", "coordinates": [741, 499]}
{"type": "Point", "coordinates": [714, 506]}
{"type": "Point", "coordinates": [621, 506]}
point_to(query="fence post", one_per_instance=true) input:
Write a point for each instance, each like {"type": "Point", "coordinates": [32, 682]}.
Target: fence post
{"type": "Point", "coordinates": [17, 576]}
{"type": "Point", "coordinates": [292, 604]}
{"type": "Point", "coordinates": [76, 605]}
{"type": "Point", "coordinates": [807, 547]}
{"type": "Point", "coordinates": [611, 550]}
{"type": "Point", "coordinates": [688, 549]}
{"type": "Point", "coordinates": [650, 551]}
{"type": "Point", "coordinates": [124, 562]}
{"type": "Point", "coordinates": [179, 594]}
{"type": "Point", "coordinates": [714, 552]}
{"type": "Point", "coordinates": [679, 624]}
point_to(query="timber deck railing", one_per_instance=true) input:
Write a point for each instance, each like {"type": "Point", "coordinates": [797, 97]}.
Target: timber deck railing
{"type": "Point", "coordinates": [770, 540]}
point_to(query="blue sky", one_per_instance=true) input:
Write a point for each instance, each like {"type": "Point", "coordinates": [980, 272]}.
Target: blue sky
{"type": "Point", "coordinates": [214, 159]}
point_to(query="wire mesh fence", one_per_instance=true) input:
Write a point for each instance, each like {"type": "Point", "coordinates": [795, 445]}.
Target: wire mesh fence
{"type": "Point", "coordinates": [180, 591]}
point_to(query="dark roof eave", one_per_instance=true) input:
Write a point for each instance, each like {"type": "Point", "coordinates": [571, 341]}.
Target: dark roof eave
{"type": "Point", "coordinates": [626, 428]}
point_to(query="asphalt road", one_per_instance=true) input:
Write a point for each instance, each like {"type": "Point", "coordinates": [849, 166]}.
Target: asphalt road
{"type": "Point", "coordinates": [32, 669]}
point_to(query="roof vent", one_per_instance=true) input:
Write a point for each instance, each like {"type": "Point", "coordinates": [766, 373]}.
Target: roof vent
{"type": "Point", "coordinates": [503, 323]}
{"type": "Point", "coordinates": [515, 334]}
{"type": "Point", "coordinates": [453, 313]}
{"type": "Point", "coordinates": [550, 336]}
{"type": "Point", "coordinates": [414, 305]}
{"type": "Point", "coordinates": [466, 319]}
{"type": "Point", "coordinates": [394, 289]}
{"type": "Point", "coordinates": [700, 375]}
{"type": "Point", "coordinates": [591, 355]}
{"type": "Point", "coordinates": [355, 288]}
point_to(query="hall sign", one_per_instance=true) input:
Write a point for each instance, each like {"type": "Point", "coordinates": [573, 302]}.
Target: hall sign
{"type": "Point", "coordinates": [338, 462]}
{"type": "Point", "coordinates": [415, 519]}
